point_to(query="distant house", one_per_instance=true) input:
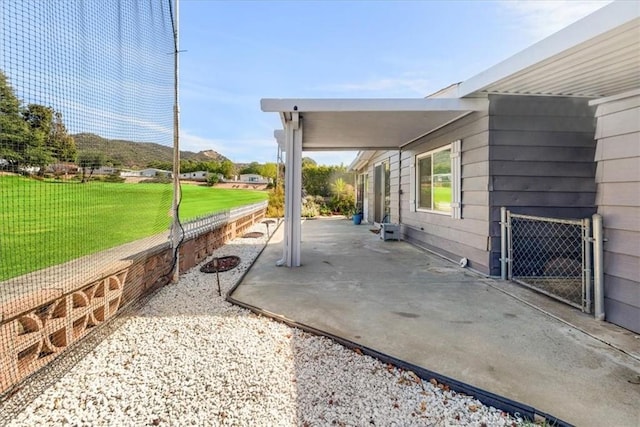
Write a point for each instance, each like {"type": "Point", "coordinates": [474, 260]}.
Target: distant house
{"type": "Point", "coordinates": [63, 168]}
{"type": "Point", "coordinates": [129, 173]}
{"type": "Point", "coordinates": [102, 170]}
{"type": "Point", "coordinates": [195, 176]}
{"type": "Point", "coordinates": [254, 178]}
{"type": "Point", "coordinates": [152, 172]}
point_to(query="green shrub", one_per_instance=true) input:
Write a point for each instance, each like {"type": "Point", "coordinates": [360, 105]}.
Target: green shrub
{"type": "Point", "coordinates": [114, 177]}
{"type": "Point", "coordinates": [213, 180]}
{"type": "Point", "coordinates": [275, 209]}
{"type": "Point", "coordinates": [310, 208]}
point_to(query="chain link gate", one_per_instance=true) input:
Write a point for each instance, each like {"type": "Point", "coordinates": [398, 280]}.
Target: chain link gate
{"type": "Point", "coordinates": [552, 256]}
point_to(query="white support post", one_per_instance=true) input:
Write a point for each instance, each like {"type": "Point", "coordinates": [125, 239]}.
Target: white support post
{"type": "Point", "coordinates": [292, 193]}
{"type": "Point", "coordinates": [296, 175]}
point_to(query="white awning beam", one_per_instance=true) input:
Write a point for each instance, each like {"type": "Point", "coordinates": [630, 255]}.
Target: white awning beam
{"type": "Point", "coordinates": [379, 105]}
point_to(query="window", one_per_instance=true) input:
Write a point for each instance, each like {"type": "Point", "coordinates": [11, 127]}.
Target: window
{"type": "Point", "coordinates": [437, 180]}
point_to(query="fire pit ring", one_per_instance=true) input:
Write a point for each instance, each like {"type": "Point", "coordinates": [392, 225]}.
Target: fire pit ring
{"type": "Point", "coordinates": [218, 265]}
{"type": "Point", "coordinates": [253, 235]}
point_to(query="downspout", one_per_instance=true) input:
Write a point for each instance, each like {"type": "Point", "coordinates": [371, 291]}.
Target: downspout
{"type": "Point", "coordinates": [598, 268]}
{"type": "Point", "coordinates": [400, 189]}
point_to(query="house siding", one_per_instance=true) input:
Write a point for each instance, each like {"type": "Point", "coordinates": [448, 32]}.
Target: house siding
{"type": "Point", "coordinates": [541, 152]}
{"type": "Point", "coordinates": [454, 238]}
{"type": "Point", "coordinates": [533, 155]}
{"type": "Point", "coordinates": [618, 197]}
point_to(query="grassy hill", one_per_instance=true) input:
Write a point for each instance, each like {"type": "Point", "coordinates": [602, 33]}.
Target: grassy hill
{"type": "Point", "coordinates": [137, 154]}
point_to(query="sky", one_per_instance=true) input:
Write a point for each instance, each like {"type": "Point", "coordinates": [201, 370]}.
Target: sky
{"type": "Point", "coordinates": [237, 52]}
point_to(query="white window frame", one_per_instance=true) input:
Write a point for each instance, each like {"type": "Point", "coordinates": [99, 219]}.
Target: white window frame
{"type": "Point", "coordinates": [456, 180]}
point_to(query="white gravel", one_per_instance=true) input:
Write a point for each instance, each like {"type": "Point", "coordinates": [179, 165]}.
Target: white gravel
{"type": "Point", "coordinates": [191, 358]}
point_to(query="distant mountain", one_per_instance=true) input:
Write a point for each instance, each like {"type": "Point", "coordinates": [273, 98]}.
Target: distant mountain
{"type": "Point", "coordinates": [137, 154]}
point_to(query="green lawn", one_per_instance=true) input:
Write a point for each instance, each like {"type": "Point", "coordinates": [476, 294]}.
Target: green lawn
{"type": "Point", "coordinates": [441, 197]}
{"type": "Point", "coordinates": [44, 223]}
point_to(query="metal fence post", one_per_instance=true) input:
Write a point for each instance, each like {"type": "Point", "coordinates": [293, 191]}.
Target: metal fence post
{"type": "Point", "coordinates": [503, 243]}
{"type": "Point", "coordinates": [598, 268]}
{"type": "Point", "coordinates": [586, 265]}
{"type": "Point", "coordinates": [509, 259]}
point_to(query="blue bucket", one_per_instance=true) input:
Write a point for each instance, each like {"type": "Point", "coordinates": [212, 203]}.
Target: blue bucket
{"type": "Point", "coordinates": [357, 219]}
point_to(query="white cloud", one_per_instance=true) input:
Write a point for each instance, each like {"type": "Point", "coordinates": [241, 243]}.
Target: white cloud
{"type": "Point", "coordinates": [237, 150]}
{"type": "Point", "coordinates": [542, 18]}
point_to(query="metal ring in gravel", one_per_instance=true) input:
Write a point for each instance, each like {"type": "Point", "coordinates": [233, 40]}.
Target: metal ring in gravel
{"type": "Point", "coordinates": [253, 235]}
{"type": "Point", "coordinates": [224, 263]}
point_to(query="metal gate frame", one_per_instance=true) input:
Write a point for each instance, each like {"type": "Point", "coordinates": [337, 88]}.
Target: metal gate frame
{"type": "Point", "coordinates": [588, 275]}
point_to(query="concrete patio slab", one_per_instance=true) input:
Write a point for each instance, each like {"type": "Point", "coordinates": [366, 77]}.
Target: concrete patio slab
{"type": "Point", "coordinates": [415, 306]}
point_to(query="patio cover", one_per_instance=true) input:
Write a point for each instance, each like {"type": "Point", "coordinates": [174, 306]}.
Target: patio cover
{"type": "Point", "coordinates": [595, 57]}
{"type": "Point", "coordinates": [350, 124]}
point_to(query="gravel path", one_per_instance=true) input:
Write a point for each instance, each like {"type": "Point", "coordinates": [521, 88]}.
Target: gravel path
{"type": "Point", "coordinates": [190, 358]}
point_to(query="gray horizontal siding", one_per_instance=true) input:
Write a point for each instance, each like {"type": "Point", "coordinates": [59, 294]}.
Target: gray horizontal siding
{"type": "Point", "coordinates": [622, 314]}
{"type": "Point", "coordinates": [622, 290]}
{"type": "Point", "coordinates": [618, 199]}
{"type": "Point", "coordinates": [620, 217]}
{"type": "Point", "coordinates": [541, 153]}
{"type": "Point", "coordinates": [541, 123]}
{"type": "Point", "coordinates": [619, 147]}
{"type": "Point", "coordinates": [618, 194]}
{"type": "Point", "coordinates": [541, 168]}
{"type": "Point", "coordinates": [619, 123]}
{"type": "Point", "coordinates": [447, 247]}
{"type": "Point", "coordinates": [544, 183]}
{"type": "Point", "coordinates": [455, 238]}
{"type": "Point", "coordinates": [528, 106]}
{"type": "Point", "coordinates": [619, 170]}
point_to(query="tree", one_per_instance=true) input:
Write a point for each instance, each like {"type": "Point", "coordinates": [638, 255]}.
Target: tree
{"type": "Point", "coordinates": [91, 160]}
{"type": "Point", "coordinates": [227, 168]}
{"type": "Point", "coordinates": [343, 199]}
{"type": "Point", "coordinates": [62, 144]}
{"type": "Point", "coordinates": [38, 156]}
{"type": "Point", "coordinates": [308, 161]}
{"type": "Point", "coordinates": [269, 170]}
{"type": "Point", "coordinates": [39, 117]}
{"type": "Point", "coordinates": [213, 179]}
{"type": "Point", "coordinates": [159, 164]}
{"type": "Point", "coordinates": [316, 179]}
{"type": "Point", "coordinates": [48, 133]}
{"type": "Point", "coordinates": [14, 131]}
{"type": "Point", "coordinates": [251, 168]}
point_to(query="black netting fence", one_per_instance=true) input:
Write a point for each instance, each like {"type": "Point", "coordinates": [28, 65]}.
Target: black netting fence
{"type": "Point", "coordinates": [86, 148]}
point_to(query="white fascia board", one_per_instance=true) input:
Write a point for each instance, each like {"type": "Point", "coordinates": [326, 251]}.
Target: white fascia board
{"type": "Point", "coordinates": [599, 22]}
{"type": "Point", "coordinates": [361, 159]}
{"type": "Point", "coordinates": [617, 97]}
{"type": "Point", "coordinates": [372, 104]}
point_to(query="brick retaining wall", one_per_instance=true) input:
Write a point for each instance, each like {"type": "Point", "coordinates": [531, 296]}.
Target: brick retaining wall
{"type": "Point", "coordinates": [37, 327]}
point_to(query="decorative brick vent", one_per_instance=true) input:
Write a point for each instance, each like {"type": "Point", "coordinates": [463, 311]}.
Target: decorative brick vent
{"type": "Point", "coordinates": [33, 339]}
